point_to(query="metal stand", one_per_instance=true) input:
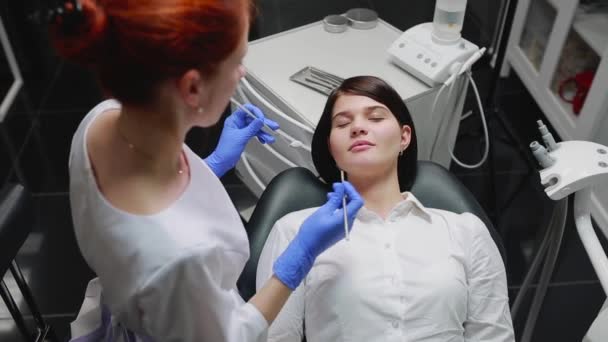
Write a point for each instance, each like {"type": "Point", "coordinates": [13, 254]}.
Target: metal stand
{"type": "Point", "coordinates": [495, 112]}
{"type": "Point", "coordinates": [9, 98]}
{"type": "Point", "coordinates": [44, 332]}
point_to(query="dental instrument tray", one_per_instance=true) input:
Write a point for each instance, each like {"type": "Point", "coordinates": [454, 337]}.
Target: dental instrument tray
{"type": "Point", "coordinates": [317, 79]}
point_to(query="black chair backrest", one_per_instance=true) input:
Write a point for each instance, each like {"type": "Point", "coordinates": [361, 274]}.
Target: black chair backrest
{"type": "Point", "coordinates": [15, 222]}
{"type": "Point", "coordinates": [297, 188]}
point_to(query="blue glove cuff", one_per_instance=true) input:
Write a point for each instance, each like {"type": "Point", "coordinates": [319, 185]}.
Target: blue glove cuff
{"type": "Point", "coordinates": [293, 265]}
{"type": "Point", "coordinates": [218, 167]}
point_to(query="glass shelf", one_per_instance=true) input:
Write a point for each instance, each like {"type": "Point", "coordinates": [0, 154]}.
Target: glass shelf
{"type": "Point", "coordinates": [591, 23]}
{"type": "Point", "coordinates": [537, 29]}
{"type": "Point", "coordinates": [592, 28]}
{"type": "Point", "coordinates": [579, 59]}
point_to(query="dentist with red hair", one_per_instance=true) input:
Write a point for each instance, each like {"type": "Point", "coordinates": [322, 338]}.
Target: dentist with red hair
{"type": "Point", "coordinates": [151, 218]}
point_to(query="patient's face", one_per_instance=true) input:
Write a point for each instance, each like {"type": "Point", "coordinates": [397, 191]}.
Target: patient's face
{"type": "Point", "coordinates": [365, 136]}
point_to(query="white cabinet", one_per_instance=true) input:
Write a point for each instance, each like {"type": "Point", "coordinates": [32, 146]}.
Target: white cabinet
{"type": "Point", "coordinates": [554, 42]}
{"type": "Point", "coordinates": [556, 47]}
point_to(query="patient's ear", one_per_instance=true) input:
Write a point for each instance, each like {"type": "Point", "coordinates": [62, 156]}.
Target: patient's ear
{"type": "Point", "coordinates": [406, 136]}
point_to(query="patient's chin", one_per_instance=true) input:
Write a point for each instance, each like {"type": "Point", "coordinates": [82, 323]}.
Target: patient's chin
{"type": "Point", "coordinates": [365, 168]}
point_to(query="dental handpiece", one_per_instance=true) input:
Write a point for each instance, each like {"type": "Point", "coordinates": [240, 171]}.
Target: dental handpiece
{"type": "Point", "coordinates": [292, 142]}
{"type": "Point", "coordinates": [346, 231]}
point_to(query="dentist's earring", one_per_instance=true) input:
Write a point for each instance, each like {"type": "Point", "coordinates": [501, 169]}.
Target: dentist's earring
{"type": "Point", "coordinates": [401, 153]}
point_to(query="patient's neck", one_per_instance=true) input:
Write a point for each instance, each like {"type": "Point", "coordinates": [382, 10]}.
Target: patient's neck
{"type": "Point", "coordinates": [381, 192]}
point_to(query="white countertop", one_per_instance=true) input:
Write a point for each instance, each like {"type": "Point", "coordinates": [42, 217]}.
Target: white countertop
{"type": "Point", "coordinates": [272, 60]}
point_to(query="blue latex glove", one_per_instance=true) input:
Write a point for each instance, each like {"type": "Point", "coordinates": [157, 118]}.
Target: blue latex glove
{"type": "Point", "coordinates": [319, 231]}
{"type": "Point", "coordinates": [239, 127]}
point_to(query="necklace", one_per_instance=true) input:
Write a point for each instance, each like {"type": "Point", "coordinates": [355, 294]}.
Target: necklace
{"type": "Point", "coordinates": [148, 156]}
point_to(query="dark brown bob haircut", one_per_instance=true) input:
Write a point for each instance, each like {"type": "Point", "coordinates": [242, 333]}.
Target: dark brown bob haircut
{"type": "Point", "coordinates": [380, 91]}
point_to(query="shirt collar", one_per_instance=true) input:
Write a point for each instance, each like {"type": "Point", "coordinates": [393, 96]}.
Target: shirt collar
{"type": "Point", "coordinates": [401, 210]}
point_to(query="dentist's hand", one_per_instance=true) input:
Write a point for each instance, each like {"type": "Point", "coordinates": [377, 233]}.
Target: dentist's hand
{"type": "Point", "coordinates": [320, 231]}
{"type": "Point", "coordinates": [239, 127]}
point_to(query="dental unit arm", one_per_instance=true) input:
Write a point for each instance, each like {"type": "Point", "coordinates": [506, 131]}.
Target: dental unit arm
{"type": "Point", "coordinates": [434, 52]}
{"type": "Point", "coordinates": [437, 54]}
{"type": "Point", "coordinates": [574, 167]}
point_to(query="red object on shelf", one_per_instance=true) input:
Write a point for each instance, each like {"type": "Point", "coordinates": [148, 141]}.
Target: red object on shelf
{"type": "Point", "coordinates": [582, 83]}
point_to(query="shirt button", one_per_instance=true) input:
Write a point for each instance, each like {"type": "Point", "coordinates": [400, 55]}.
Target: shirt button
{"type": "Point", "coordinates": [387, 245]}
{"type": "Point", "coordinates": [395, 324]}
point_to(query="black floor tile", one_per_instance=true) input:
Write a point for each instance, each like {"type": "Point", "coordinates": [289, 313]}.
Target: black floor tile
{"type": "Point", "coordinates": [478, 184]}
{"type": "Point", "coordinates": [59, 324]}
{"type": "Point", "coordinates": [504, 156]}
{"type": "Point", "coordinates": [50, 258]}
{"type": "Point", "coordinates": [52, 266]}
{"type": "Point", "coordinates": [573, 263]}
{"type": "Point", "coordinates": [483, 77]}
{"type": "Point", "coordinates": [9, 332]}
{"type": "Point", "coordinates": [509, 151]}
{"type": "Point", "coordinates": [520, 112]}
{"type": "Point", "coordinates": [45, 155]}
{"type": "Point", "coordinates": [7, 157]}
{"type": "Point", "coordinates": [566, 314]}
{"type": "Point", "coordinates": [524, 224]}
{"type": "Point", "coordinates": [512, 84]}
{"type": "Point", "coordinates": [523, 214]}
{"type": "Point", "coordinates": [17, 126]}
{"type": "Point", "coordinates": [35, 89]}
{"type": "Point", "coordinates": [75, 90]}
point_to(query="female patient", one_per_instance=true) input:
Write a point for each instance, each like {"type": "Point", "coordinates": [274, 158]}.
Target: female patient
{"type": "Point", "coordinates": [408, 273]}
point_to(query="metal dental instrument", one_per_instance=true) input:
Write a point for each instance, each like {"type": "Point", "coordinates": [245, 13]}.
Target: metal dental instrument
{"type": "Point", "coordinates": [346, 232]}
{"type": "Point", "coordinates": [320, 83]}
{"type": "Point", "coordinates": [292, 142]}
{"type": "Point", "coordinates": [326, 80]}
{"type": "Point", "coordinates": [326, 75]}
{"type": "Point", "coordinates": [317, 79]}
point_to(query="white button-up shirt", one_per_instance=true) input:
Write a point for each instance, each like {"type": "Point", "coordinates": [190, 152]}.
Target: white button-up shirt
{"type": "Point", "coordinates": [420, 275]}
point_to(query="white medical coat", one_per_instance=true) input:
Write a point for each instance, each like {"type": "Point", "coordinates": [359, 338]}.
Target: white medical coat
{"type": "Point", "coordinates": [165, 277]}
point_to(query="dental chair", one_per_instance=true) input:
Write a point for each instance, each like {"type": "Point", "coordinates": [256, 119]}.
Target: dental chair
{"type": "Point", "coordinates": [298, 188]}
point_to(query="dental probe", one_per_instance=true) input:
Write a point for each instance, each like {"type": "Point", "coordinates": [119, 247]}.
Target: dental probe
{"type": "Point", "coordinates": [346, 232]}
{"type": "Point", "coordinates": [292, 142]}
